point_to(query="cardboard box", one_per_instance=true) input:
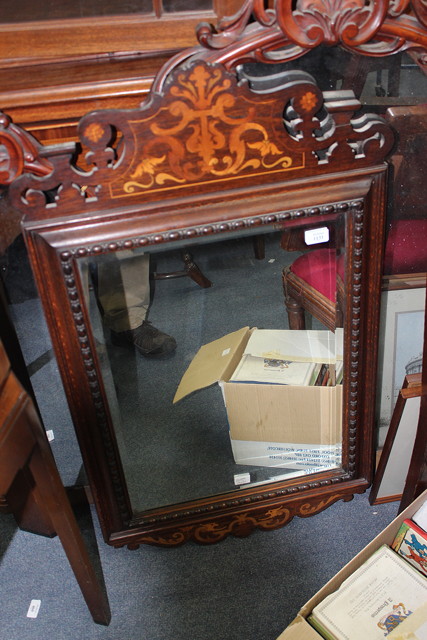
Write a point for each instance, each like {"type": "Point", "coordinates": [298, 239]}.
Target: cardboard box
{"type": "Point", "coordinates": [271, 425]}
{"type": "Point", "coordinates": [300, 629]}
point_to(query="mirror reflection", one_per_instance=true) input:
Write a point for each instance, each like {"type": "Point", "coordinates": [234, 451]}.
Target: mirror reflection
{"type": "Point", "coordinates": [212, 384]}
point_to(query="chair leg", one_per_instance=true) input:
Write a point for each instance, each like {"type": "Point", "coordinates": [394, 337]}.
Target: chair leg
{"type": "Point", "coordinates": [190, 269]}
{"type": "Point", "coordinates": [28, 506]}
{"type": "Point", "coordinates": [194, 272]}
{"type": "Point", "coordinates": [259, 247]}
{"type": "Point", "coordinates": [296, 316]}
{"type": "Point", "coordinates": [44, 471]}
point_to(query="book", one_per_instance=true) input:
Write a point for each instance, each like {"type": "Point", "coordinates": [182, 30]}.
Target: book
{"type": "Point", "coordinates": [382, 594]}
{"type": "Point", "coordinates": [274, 371]}
{"type": "Point", "coordinates": [411, 543]}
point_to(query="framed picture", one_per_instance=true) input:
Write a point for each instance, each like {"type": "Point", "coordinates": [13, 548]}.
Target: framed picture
{"type": "Point", "coordinates": [400, 343]}
{"type": "Point", "coordinates": [393, 465]}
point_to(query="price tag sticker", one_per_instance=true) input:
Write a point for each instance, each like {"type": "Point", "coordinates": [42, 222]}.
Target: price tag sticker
{"type": "Point", "coordinates": [316, 236]}
{"type": "Point", "coordinates": [34, 608]}
{"type": "Point", "coordinates": [242, 478]}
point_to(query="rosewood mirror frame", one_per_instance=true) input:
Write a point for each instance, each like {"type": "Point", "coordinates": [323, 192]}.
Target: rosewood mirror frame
{"type": "Point", "coordinates": [115, 198]}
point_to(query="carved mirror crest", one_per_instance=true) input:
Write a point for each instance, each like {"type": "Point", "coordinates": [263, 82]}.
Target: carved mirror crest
{"type": "Point", "coordinates": [228, 158]}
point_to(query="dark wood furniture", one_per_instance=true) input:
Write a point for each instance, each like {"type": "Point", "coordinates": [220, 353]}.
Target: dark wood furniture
{"type": "Point", "coordinates": [211, 154]}
{"type": "Point", "coordinates": [190, 270]}
{"type": "Point", "coordinates": [31, 487]}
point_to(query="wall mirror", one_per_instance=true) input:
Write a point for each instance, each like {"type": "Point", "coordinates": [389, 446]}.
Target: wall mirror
{"type": "Point", "coordinates": [252, 177]}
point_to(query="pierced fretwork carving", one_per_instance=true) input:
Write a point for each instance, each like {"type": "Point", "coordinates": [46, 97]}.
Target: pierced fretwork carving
{"type": "Point", "coordinates": [376, 27]}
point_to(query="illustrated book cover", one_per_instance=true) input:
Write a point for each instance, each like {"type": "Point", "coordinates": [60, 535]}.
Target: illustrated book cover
{"type": "Point", "coordinates": [411, 543]}
{"type": "Point", "coordinates": [376, 601]}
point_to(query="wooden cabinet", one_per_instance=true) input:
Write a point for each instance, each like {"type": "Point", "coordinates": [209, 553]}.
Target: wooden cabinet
{"type": "Point", "coordinates": [56, 66]}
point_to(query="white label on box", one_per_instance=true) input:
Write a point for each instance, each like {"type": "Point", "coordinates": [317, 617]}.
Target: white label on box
{"type": "Point", "coordinates": [282, 455]}
{"type": "Point", "coordinates": [34, 608]}
{"type": "Point", "coordinates": [226, 352]}
{"type": "Point", "coordinates": [316, 236]}
{"type": "Point", "coordinates": [242, 478]}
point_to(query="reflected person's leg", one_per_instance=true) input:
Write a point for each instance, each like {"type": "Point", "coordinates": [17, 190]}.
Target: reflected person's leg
{"type": "Point", "coordinates": [124, 295]}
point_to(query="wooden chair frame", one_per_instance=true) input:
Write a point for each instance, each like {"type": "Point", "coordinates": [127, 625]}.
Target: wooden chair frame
{"type": "Point", "coordinates": [31, 488]}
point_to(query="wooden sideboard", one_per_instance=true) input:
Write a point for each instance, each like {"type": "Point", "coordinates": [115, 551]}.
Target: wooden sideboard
{"type": "Point", "coordinates": [53, 71]}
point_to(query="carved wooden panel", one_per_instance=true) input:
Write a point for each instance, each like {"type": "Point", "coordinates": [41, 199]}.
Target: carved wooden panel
{"type": "Point", "coordinates": [206, 129]}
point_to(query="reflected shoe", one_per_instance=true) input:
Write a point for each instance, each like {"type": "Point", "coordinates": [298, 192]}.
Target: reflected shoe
{"type": "Point", "coordinates": [149, 341]}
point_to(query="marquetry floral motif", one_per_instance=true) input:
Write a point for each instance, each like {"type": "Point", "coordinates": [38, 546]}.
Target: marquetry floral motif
{"type": "Point", "coordinates": [204, 132]}
{"type": "Point", "coordinates": [94, 132]}
{"type": "Point", "coordinates": [308, 101]}
{"type": "Point", "coordinates": [242, 525]}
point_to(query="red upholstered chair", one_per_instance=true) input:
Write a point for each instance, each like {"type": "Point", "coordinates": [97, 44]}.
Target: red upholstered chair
{"type": "Point", "coordinates": [406, 247]}
{"type": "Point", "coordinates": [314, 282]}
{"type": "Point", "coordinates": [406, 240]}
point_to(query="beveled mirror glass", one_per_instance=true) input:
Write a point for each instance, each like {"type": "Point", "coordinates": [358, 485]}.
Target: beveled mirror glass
{"type": "Point", "coordinates": [173, 451]}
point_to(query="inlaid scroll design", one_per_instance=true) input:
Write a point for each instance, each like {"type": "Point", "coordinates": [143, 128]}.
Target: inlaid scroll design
{"type": "Point", "coordinates": [206, 126]}
{"type": "Point", "coordinates": [239, 525]}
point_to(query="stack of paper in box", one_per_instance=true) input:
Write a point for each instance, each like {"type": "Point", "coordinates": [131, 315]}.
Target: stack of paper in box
{"type": "Point", "coordinates": [386, 596]}
{"type": "Point", "coordinates": [300, 358]}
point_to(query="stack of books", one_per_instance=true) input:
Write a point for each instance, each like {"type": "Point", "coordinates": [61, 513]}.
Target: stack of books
{"type": "Point", "coordinates": [386, 596]}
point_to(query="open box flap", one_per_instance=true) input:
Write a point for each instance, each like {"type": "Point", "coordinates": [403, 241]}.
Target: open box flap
{"type": "Point", "coordinates": [213, 362]}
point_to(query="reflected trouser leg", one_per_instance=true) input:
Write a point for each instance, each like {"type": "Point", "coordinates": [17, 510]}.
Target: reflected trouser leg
{"type": "Point", "coordinates": [124, 295]}
{"type": "Point", "coordinates": [124, 290]}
